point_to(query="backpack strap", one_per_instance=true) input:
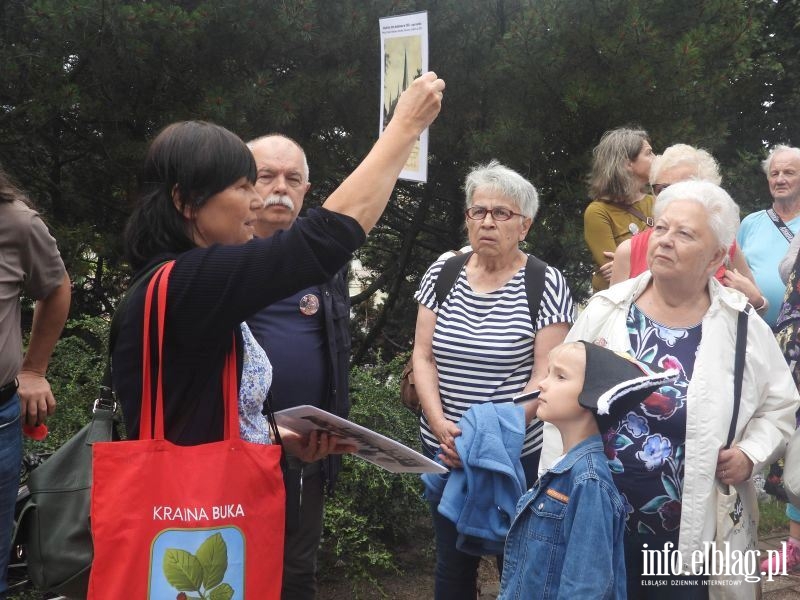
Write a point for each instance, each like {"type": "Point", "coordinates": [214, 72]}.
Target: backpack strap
{"type": "Point", "coordinates": [534, 285]}
{"type": "Point", "coordinates": [448, 275]}
{"type": "Point", "coordinates": [534, 280]}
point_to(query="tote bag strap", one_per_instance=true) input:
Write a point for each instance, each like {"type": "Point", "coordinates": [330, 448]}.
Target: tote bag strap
{"type": "Point", "coordinates": [146, 418]}
{"type": "Point", "coordinates": [738, 371]}
{"type": "Point", "coordinates": [153, 428]}
{"type": "Point", "coordinates": [230, 394]}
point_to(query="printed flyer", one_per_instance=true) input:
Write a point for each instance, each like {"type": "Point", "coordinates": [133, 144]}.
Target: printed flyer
{"type": "Point", "coordinates": [404, 57]}
{"type": "Point", "coordinates": [373, 447]}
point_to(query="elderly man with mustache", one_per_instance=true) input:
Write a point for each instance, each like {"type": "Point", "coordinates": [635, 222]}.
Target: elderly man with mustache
{"type": "Point", "coordinates": [307, 340]}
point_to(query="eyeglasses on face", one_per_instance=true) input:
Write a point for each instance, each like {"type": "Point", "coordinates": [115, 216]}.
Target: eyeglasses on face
{"type": "Point", "coordinates": [499, 213]}
{"type": "Point", "coordinates": [660, 187]}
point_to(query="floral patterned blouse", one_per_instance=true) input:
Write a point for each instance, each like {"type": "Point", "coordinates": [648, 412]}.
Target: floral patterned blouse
{"type": "Point", "coordinates": [645, 446]}
{"type": "Point", "coordinates": [253, 388]}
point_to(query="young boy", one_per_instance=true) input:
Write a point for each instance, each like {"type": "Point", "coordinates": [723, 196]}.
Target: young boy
{"type": "Point", "coordinates": [566, 540]}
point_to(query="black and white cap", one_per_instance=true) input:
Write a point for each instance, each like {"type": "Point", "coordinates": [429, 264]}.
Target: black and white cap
{"type": "Point", "coordinates": [612, 377]}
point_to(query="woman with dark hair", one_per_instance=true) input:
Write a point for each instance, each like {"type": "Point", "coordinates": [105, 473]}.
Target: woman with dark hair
{"type": "Point", "coordinates": [619, 209]}
{"type": "Point", "coordinates": [195, 156]}
{"type": "Point", "coordinates": [197, 206]}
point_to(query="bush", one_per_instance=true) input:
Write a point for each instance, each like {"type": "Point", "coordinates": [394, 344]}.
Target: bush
{"type": "Point", "coordinates": [373, 510]}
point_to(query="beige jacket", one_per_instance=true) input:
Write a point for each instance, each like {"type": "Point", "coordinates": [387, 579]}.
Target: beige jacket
{"type": "Point", "coordinates": [766, 415]}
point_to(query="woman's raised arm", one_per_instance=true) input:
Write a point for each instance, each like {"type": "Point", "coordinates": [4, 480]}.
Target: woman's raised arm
{"type": "Point", "coordinates": [365, 193]}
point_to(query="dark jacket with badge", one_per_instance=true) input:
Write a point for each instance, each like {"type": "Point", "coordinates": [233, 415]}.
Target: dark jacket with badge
{"type": "Point", "coordinates": [336, 304]}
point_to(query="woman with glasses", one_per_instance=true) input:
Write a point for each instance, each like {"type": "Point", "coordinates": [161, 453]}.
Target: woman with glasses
{"type": "Point", "coordinates": [668, 453]}
{"type": "Point", "coordinates": [681, 162]}
{"type": "Point", "coordinates": [481, 344]}
{"type": "Point", "coordinates": [620, 209]}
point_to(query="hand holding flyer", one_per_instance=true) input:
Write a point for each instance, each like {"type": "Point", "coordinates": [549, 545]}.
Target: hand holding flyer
{"type": "Point", "coordinates": [372, 447]}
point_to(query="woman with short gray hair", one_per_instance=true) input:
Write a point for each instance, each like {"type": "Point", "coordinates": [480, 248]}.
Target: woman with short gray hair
{"type": "Point", "coordinates": [481, 343]}
{"type": "Point", "coordinates": [505, 182]}
{"type": "Point", "coordinates": [681, 162]}
{"type": "Point", "coordinates": [668, 454]}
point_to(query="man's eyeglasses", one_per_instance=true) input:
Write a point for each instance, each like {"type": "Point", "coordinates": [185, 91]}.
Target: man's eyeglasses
{"type": "Point", "coordinates": [660, 187]}
{"type": "Point", "coordinates": [499, 213]}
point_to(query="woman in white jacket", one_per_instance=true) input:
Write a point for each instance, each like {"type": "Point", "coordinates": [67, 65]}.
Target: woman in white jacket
{"type": "Point", "coordinates": [667, 455]}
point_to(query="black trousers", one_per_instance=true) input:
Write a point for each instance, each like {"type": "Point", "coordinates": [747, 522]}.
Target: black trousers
{"type": "Point", "coordinates": [305, 504]}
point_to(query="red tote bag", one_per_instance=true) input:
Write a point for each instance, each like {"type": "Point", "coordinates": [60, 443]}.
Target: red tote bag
{"type": "Point", "coordinates": [183, 522]}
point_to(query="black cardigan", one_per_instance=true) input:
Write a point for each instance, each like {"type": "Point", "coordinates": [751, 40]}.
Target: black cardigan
{"type": "Point", "coordinates": [211, 291]}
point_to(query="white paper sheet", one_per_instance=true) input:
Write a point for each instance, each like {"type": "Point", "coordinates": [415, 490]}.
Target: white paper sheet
{"type": "Point", "coordinates": [404, 57]}
{"type": "Point", "coordinates": [372, 446]}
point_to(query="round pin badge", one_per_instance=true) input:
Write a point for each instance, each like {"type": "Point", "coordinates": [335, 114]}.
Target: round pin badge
{"type": "Point", "coordinates": [309, 304]}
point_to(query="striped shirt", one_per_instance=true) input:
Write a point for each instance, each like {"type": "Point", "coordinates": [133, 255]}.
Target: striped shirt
{"type": "Point", "coordinates": [483, 342]}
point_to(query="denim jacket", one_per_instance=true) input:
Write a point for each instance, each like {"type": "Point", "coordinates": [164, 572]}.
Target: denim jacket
{"type": "Point", "coordinates": [567, 538]}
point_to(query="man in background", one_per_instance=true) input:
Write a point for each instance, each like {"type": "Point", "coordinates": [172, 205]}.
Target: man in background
{"type": "Point", "coordinates": [29, 263]}
{"type": "Point", "coordinates": [764, 236]}
{"type": "Point", "coordinates": [307, 340]}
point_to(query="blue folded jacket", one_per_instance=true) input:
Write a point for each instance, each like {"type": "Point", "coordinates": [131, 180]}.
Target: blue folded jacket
{"type": "Point", "coordinates": [481, 497]}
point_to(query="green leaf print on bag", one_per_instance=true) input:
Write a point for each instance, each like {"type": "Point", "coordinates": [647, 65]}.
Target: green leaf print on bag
{"type": "Point", "coordinates": [182, 570]}
{"type": "Point", "coordinates": [213, 556]}
{"type": "Point", "coordinates": [223, 592]}
{"type": "Point", "coordinates": [202, 573]}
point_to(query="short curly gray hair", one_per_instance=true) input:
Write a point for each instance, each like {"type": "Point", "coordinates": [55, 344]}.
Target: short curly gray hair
{"type": "Point", "coordinates": [500, 179]}
{"type": "Point", "coordinates": [722, 211]}
{"type": "Point", "coordinates": [767, 162]}
{"type": "Point", "coordinates": [678, 155]}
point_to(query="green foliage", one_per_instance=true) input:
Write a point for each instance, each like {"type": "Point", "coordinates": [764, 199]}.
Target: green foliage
{"type": "Point", "coordinates": [532, 83]}
{"type": "Point", "coordinates": [374, 512]}
{"type": "Point", "coordinates": [352, 547]}
{"type": "Point", "coordinates": [772, 516]}
{"type": "Point", "coordinates": [26, 595]}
